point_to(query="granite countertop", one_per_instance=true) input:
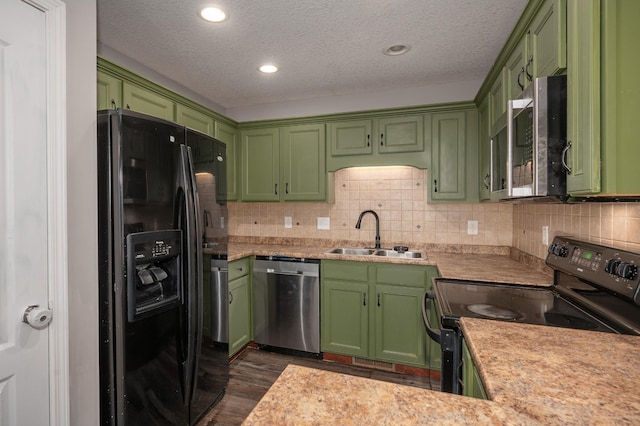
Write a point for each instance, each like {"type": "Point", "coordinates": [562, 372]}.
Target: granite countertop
{"type": "Point", "coordinates": [491, 264]}
{"type": "Point", "coordinates": [306, 396]}
{"type": "Point", "coordinates": [557, 375]}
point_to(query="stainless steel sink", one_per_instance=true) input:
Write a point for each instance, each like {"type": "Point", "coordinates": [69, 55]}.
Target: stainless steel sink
{"type": "Point", "coordinates": [393, 253]}
{"type": "Point", "coordinates": [353, 251]}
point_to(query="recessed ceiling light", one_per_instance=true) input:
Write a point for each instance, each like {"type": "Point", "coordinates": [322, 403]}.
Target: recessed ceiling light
{"type": "Point", "coordinates": [213, 14]}
{"type": "Point", "coordinates": [397, 49]}
{"type": "Point", "coordinates": [268, 69]}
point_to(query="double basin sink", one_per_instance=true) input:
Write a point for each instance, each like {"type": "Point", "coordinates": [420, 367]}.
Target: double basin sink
{"type": "Point", "coordinates": [376, 252]}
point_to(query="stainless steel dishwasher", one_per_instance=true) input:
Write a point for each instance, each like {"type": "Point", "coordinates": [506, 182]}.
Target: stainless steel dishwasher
{"type": "Point", "coordinates": [219, 300]}
{"type": "Point", "coordinates": [286, 303]}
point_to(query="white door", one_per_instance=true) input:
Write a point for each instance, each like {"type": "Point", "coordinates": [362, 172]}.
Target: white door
{"type": "Point", "coordinates": [24, 214]}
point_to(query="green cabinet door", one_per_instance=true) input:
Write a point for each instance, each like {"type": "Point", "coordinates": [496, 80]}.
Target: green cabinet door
{"type": "Point", "coordinates": [497, 98]}
{"type": "Point", "coordinates": [583, 96]}
{"type": "Point", "coordinates": [515, 71]}
{"type": "Point", "coordinates": [345, 318]}
{"type": "Point", "coordinates": [548, 39]}
{"type": "Point", "coordinates": [399, 331]}
{"type": "Point", "coordinates": [109, 91]}
{"type": "Point", "coordinates": [260, 152]}
{"type": "Point", "coordinates": [400, 134]}
{"type": "Point", "coordinates": [448, 157]}
{"type": "Point", "coordinates": [484, 129]}
{"type": "Point", "coordinates": [239, 313]}
{"type": "Point", "coordinates": [229, 135]}
{"type": "Point", "coordinates": [139, 99]}
{"type": "Point", "coordinates": [302, 161]}
{"type": "Point", "coordinates": [194, 119]}
{"type": "Point", "coordinates": [350, 137]}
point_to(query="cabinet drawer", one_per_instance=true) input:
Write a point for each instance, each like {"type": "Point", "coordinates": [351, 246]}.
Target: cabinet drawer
{"type": "Point", "coordinates": [238, 268]}
{"type": "Point", "coordinates": [345, 271]}
{"type": "Point", "coordinates": [405, 275]}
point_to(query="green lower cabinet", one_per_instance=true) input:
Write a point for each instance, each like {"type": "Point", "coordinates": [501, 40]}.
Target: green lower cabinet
{"type": "Point", "coordinates": [345, 318]}
{"type": "Point", "coordinates": [472, 385]}
{"type": "Point", "coordinates": [373, 310]}
{"type": "Point", "coordinates": [239, 310]}
{"type": "Point", "coordinates": [400, 334]}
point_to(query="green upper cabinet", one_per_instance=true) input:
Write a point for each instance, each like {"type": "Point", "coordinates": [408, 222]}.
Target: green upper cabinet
{"type": "Point", "coordinates": [548, 39]}
{"type": "Point", "coordinates": [400, 134]}
{"type": "Point", "coordinates": [143, 100]}
{"type": "Point", "coordinates": [453, 141]}
{"type": "Point", "coordinates": [497, 98]}
{"type": "Point", "coordinates": [194, 119]}
{"type": "Point", "coordinates": [484, 128]}
{"type": "Point", "coordinates": [109, 91]}
{"type": "Point", "coordinates": [381, 141]}
{"type": "Point", "coordinates": [229, 135]}
{"type": "Point", "coordinates": [260, 153]}
{"type": "Point", "coordinates": [602, 123]}
{"type": "Point", "coordinates": [541, 50]}
{"type": "Point", "coordinates": [284, 164]}
{"type": "Point", "coordinates": [350, 137]}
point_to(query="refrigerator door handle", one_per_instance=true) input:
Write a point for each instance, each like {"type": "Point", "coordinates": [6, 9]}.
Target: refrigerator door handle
{"type": "Point", "coordinates": [193, 286]}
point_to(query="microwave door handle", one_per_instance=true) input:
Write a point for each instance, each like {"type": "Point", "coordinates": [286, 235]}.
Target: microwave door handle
{"type": "Point", "coordinates": [491, 164]}
{"type": "Point", "coordinates": [510, 108]}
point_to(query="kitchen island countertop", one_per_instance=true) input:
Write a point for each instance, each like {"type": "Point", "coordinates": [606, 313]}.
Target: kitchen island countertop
{"type": "Point", "coordinates": [305, 396]}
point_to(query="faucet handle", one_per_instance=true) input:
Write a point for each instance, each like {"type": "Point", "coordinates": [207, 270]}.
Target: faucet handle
{"type": "Point", "coordinates": [400, 249]}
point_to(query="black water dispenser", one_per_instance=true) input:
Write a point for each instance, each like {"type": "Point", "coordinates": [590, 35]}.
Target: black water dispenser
{"type": "Point", "coordinates": [154, 278]}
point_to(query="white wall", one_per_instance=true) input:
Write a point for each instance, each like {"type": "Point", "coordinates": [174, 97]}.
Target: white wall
{"type": "Point", "coordinates": [82, 212]}
{"type": "Point", "coordinates": [397, 98]}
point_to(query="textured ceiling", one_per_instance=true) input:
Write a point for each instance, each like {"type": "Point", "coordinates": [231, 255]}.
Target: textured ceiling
{"type": "Point", "coordinates": [326, 47]}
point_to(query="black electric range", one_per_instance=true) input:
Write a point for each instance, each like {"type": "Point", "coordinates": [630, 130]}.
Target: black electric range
{"type": "Point", "coordinates": [595, 288]}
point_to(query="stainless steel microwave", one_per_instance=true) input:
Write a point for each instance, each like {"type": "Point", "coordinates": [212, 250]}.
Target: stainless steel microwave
{"type": "Point", "coordinates": [529, 146]}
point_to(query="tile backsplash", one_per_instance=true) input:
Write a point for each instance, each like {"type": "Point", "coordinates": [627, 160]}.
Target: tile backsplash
{"type": "Point", "coordinates": [397, 194]}
{"type": "Point", "coordinates": [607, 223]}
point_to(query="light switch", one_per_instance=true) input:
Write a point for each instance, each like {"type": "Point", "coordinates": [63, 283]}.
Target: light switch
{"type": "Point", "coordinates": [545, 235]}
{"type": "Point", "coordinates": [287, 222]}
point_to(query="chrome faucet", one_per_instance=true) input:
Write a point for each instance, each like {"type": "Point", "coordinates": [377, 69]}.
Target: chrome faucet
{"type": "Point", "coordinates": [377, 225]}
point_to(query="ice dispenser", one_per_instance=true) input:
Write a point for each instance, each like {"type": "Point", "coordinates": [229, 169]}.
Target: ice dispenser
{"type": "Point", "coordinates": [154, 278]}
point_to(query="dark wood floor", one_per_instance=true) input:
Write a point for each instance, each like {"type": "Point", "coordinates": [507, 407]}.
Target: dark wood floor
{"type": "Point", "coordinates": [254, 371]}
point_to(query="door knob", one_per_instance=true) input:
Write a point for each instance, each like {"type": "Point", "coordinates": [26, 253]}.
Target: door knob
{"type": "Point", "coordinates": [37, 317]}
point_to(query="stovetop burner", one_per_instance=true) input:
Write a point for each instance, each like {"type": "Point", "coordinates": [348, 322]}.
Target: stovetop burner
{"type": "Point", "coordinates": [494, 312]}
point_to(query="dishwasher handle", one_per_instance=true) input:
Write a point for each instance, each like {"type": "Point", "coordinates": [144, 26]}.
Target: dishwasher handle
{"type": "Point", "coordinates": [291, 273]}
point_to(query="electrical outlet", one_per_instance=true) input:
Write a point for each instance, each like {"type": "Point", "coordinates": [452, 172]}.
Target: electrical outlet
{"type": "Point", "coordinates": [287, 222]}
{"type": "Point", "coordinates": [324, 223]}
{"type": "Point", "coordinates": [545, 235]}
{"type": "Point", "coordinates": [221, 222]}
{"type": "Point", "coordinates": [472, 227]}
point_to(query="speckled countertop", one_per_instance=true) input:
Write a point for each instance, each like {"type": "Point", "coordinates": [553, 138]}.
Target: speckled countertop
{"type": "Point", "coordinates": [482, 263]}
{"type": "Point", "coordinates": [557, 375]}
{"type": "Point", "coordinates": [306, 396]}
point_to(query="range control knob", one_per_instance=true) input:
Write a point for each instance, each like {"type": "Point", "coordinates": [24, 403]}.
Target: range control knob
{"type": "Point", "coordinates": [552, 247]}
{"type": "Point", "coordinates": [627, 271]}
{"type": "Point", "coordinates": [561, 251]}
{"type": "Point", "coordinates": [611, 267]}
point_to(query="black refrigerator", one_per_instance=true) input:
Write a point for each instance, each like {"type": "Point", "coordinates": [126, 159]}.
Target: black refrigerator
{"type": "Point", "coordinates": [151, 269]}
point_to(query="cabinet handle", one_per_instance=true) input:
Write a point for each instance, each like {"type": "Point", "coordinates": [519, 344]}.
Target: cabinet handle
{"type": "Point", "coordinates": [378, 299]}
{"type": "Point", "coordinates": [520, 83]}
{"type": "Point", "coordinates": [564, 157]}
{"type": "Point", "coordinates": [368, 140]}
{"type": "Point", "coordinates": [286, 188]}
{"type": "Point", "coordinates": [529, 76]}
{"type": "Point", "coordinates": [276, 189]}
{"type": "Point", "coordinates": [364, 299]}
{"type": "Point", "coordinates": [113, 104]}
{"type": "Point", "coordinates": [128, 107]}
{"type": "Point", "coordinates": [381, 139]}
{"type": "Point", "coordinates": [486, 181]}
{"type": "Point", "coordinates": [435, 185]}
{"type": "Point", "coordinates": [239, 269]}
{"type": "Point", "coordinates": [230, 297]}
